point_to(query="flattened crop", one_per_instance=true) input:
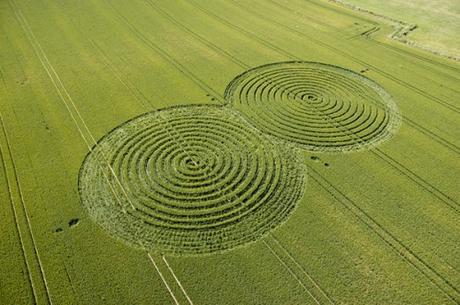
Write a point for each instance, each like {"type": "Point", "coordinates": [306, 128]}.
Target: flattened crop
{"type": "Point", "coordinates": [190, 180]}
{"type": "Point", "coordinates": [316, 106]}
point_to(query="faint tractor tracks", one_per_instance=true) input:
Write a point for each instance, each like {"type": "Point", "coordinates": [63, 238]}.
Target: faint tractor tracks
{"type": "Point", "coordinates": [294, 275]}
{"type": "Point", "coordinates": [58, 85]}
{"type": "Point", "coordinates": [441, 102]}
{"type": "Point", "coordinates": [133, 91]}
{"type": "Point", "coordinates": [162, 278]}
{"type": "Point", "coordinates": [221, 98]}
{"type": "Point", "coordinates": [401, 51]}
{"type": "Point", "coordinates": [198, 37]}
{"type": "Point", "coordinates": [27, 220]}
{"type": "Point", "coordinates": [404, 170]}
{"type": "Point", "coordinates": [70, 112]}
{"type": "Point", "coordinates": [177, 280]}
{"type": "Point", "coordinates": [16, 222]}
{"type": "Point", "coordinates": [129, 86]}
{"type": "Point", "coordinates": [412, 123]}
{"type": "Point", "coordinates": [366, 35]}
{"type": "Point", "coordinates": [164, 54]}
{"type": "Point", "coordinates": [447, 105]}
{"type": "Point", "coordinates": [367, 20]}
{"type": "Point", "coordinates": [451, 146]}
{"type": "Point", "coordinates": [62, 92]}
{"type": "Point", "coordinates": [392, 241]}
{"type": "Point", "coordinates": [278, 250]}
{"type": "Point", "coordinates": [414, 177]}
{"type": "Point", "coordinates": [425, 269]}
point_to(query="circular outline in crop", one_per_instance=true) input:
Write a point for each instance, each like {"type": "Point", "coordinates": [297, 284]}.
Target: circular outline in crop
{"type": "Point", "coordinates": [188, 180]}
{"type": "Point", "coordinates": [317, 106]}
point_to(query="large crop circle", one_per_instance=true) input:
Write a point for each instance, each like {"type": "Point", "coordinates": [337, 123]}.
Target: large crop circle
{"type": "Point", "coordinates": [190, 180]}
{"type": "Point", "coordinates": [317, 106]}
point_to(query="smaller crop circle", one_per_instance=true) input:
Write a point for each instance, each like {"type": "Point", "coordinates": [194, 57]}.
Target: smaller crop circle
{"type": "Point", "coordinates": [190, 180]}
{"type": "Point", "coordinates": [317, 106]}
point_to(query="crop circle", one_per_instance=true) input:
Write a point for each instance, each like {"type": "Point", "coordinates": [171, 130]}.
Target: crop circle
{"type": "Point", "coordinates": [317, 106]}
{"type": "Point", "coordinates": [190, 180]}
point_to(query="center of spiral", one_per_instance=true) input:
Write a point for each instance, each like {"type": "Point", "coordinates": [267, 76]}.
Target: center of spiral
{"type": "Point", "coordinates": [309, 98]}
{"type": "Point", "coordinates": [194, 163]}
{"type": "Point", "coordinates": [202, 193]}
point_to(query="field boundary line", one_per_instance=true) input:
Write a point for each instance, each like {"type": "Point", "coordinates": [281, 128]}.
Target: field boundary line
{"type": "Point", "coordinates": [401, 30]}
{"type": "Point", "coordinates": [441, 102]}
{"type": "Point", "coordinates": [355, 15]}
{"type": "Point", "coordinates": [162, 278]}
{"type": "Point", "coordinates": [407, 53]}
{"type": "Point", "coordinates": [26, 214]}
{"type": "Point", "coordinates": [177, 280]}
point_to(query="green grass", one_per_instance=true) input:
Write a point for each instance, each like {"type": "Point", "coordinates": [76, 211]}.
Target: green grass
{"type": "Point", "coordinates": [437, 21]}
{"type": "Point", "coordinates": [377, 226]}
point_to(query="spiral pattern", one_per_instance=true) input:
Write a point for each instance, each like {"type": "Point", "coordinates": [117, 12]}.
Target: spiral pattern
{"type": "Point", "coordinates": [190, 180]}
{"type": "Point", "coordinates": [314, 105]}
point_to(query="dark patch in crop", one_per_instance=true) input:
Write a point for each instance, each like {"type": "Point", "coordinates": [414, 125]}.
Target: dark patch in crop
{"type": "Point", "coordinates": [73, 222]}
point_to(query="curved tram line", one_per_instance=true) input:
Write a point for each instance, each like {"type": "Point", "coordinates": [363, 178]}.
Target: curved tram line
{"type": "Point", "coordinates": [227, 186]}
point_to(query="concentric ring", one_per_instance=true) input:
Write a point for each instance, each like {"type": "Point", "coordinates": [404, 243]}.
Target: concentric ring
{"type": "Point", "coordinates": [314, 105]}
{"type": "Point", "coordinates": [190, 180]}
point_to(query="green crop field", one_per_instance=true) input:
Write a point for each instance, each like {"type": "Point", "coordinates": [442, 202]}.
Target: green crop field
{"type": "Point", "coordinates": [211, 152]}
{"type": "Point", "coordinates": [437, 22]}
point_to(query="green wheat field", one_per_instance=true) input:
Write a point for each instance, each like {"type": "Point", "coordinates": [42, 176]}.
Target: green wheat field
{"type": "Point", "coordinates": [225, 152]}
